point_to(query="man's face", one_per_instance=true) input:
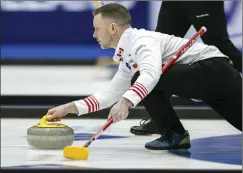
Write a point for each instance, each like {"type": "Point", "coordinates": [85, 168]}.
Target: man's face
{"type": "Point", "coordinates": [101, 33]}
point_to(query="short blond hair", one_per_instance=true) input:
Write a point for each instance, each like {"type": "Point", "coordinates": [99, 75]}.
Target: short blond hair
{"type": "Point", "coordinates": [115, 11]}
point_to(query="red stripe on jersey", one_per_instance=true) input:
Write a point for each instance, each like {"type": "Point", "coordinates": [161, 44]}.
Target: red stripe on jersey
{"type": "Point", "coordinates": [87, 104]}
{"type": "Point", "coordinates": [141, 85]}
{"type": "Point", "coordinates": [97, 103]}
{"type": "Point", "coordinates": [143, 90]}
{"type": "Point", "coordinates": [92, 104]}
{"type": "Point", "coordinates": [136, 92]}
{"type": "Point", "coordinates": [138, 89]}
{"type": "Point", "coordinates": [96, 106]}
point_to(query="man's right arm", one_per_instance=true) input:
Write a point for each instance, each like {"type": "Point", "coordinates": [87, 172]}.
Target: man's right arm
{"type": "Point", "coordinates": [101, 100]}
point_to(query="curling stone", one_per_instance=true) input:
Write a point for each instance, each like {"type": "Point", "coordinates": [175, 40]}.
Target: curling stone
{"type": "Point", "coordinates": [50, 135]}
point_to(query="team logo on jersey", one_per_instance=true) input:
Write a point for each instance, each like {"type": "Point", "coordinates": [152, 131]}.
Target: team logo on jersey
{"type": "Point", "coordinates": [135, 65]}
{"type": "Point", "coordinates": [120, 52]}
{"type": "Point", "coordinates": [128, 66]}
{"type": "Point", "coordinates": [132, 64]}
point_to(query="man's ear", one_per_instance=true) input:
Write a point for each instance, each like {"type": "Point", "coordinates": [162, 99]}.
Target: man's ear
{"type": "Point", "coordinates": [113, 28]}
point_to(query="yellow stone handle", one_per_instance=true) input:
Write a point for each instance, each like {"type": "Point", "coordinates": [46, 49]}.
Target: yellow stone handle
{"type": "Point", "coordinates": [43, 120]}
{"type": "Point", "coordinates": [43, 123]}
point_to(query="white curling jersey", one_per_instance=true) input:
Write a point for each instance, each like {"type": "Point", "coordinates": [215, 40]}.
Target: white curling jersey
{"type": "Point", "coordinates": [146, 52]}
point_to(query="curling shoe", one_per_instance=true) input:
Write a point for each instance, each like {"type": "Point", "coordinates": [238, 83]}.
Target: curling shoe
{"type": "Point", "coordinates": [170, 140]}
{"type": "Point", "coordinates": [146, 127]}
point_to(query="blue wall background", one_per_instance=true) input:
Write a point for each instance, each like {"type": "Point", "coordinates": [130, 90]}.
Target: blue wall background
{"type": "Point", "coordinates": [64, 29]}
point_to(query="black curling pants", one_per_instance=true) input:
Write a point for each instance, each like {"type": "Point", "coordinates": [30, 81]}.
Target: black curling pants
{"type": "Point", "coordinates": [212, 80]}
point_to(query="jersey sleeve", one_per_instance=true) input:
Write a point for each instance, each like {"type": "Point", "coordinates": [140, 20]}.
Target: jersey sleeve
{"type": "Point", "coordinates": [115, 89]}
{"type": "Point", "coordinates": [147, 53]}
